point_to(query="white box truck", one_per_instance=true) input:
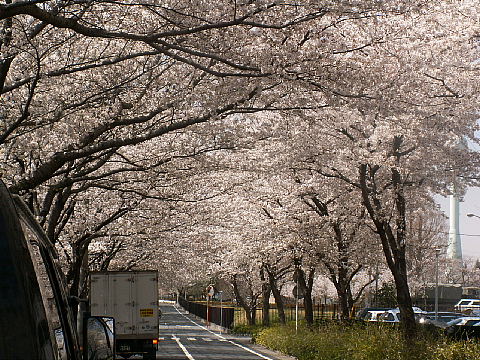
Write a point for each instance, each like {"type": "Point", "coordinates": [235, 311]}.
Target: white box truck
{"type": "Point", "coordinates": [131, 298]}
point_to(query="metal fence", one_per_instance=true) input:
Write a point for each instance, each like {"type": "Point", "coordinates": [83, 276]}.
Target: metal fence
{"type": "Point", "coordinates": [220, 315]}
{"type": "Point", "coordinates": [320, 312]}
{"type": "Point", "coordinates": [228, 315]}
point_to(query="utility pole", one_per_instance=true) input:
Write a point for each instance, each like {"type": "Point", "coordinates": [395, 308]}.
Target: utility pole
{"type": "Point", "coordinates": [437, 254]}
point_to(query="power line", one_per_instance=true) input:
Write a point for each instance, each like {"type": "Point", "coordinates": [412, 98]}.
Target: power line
{"type": "Point", "coordinates": [447, 233]}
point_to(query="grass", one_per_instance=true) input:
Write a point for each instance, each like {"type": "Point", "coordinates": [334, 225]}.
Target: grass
{"type": "Point", "coordinates": [250, 330]}
{"type": "Point", "coordinates": [336, 341]}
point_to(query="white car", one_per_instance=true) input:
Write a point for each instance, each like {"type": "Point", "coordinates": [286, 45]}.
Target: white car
{"type": "Point", "coordinates": [372, 315]}
{"type": "Point", "coordinates": [393, 315]}
{"type": "Point", "coordinates": [468, 305]}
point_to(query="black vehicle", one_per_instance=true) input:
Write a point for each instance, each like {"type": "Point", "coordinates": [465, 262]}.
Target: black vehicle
{"type": "Point", "coordinates": [36, 316]}
{"type": "Point", "coordinates": [467, 327]}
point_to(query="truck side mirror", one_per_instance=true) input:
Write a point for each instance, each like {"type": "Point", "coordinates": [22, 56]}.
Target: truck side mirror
{"type": "Point", "coordinates": [100, 338]}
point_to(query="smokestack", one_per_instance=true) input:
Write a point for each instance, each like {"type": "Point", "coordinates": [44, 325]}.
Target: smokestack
{"type": "Point", "coordinates": [454, 250]}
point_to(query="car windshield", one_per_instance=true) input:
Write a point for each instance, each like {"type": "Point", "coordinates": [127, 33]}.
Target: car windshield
{"type": "Point", "coordinates": [387, 317]}
{"type": "Point", "coordinates": [472, 322]}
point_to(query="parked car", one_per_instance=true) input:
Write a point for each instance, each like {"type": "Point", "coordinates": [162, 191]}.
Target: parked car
{"type": "Point", "coordinates": [465, 321]}
{"type": "Point", "coordinates": [394, 316]}
{"type": "Point", "coordinates": [371, 313]}
{"type": "Point", "coordinates": [36, 315]}
{"type": "Point", "coordinates": [468, 305]}
{"type": "Point", "coordinates": [467, 327]}
{"type": "Point", "coordinates": [444, 317]}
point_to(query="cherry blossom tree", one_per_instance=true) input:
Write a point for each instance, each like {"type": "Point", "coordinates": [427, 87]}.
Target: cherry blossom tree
{"type": "Point", "coordinates": [347, 250]}
{"type": "Point", "coordinates": [393, 141]}
{"type": "Point", "coordinates": [84, 85]}
{"type": "Point", "coordinates": [108, 97]}
{"type": "Point", "coordinates": [427, 232]}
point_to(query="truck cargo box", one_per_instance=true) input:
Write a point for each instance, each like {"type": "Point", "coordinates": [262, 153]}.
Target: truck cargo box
{"type": "Point", "coordinates": [131, 298]}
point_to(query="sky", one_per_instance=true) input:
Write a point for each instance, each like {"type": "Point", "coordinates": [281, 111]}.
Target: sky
{"type": "Point", "coordinates": [469, 226]}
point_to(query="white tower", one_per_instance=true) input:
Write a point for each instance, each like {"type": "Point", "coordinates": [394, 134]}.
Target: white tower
{"type": "Point", "coordinates": [454, 250]}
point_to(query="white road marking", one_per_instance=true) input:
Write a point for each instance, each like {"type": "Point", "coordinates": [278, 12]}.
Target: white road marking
{"type": "Point", "coordinates": [185, 326]}
{"type": "Point", "coordinates": [223, 338]}
{"type": "Point", "coordinates": [184, 349]}
{"type": "Point", "coordinates": [192, 339]}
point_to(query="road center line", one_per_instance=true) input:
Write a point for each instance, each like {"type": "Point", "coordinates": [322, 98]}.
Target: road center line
{"type": "Point", "coordinates": [184, 349]}
{"type": "Point", "coordinates": [223, 338]}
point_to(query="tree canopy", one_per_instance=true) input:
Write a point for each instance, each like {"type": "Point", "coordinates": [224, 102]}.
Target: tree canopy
{"type": "Point", "coordinates": [197, 137]}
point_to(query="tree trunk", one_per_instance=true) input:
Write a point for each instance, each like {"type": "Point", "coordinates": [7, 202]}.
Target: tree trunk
{"type": "Point", "coordinates": [341, 280]}
{"type": "Point", "coordinates": [242, 302]}
{"type": "Point", "coordinates": [253, 315]}
{"type": "Point", "coordinates": [277, 296]}
{"type": "Point", "coordinates": [308, 306]}
{"type": "Point", "coordinates": [344, 303]}
{"type": "Point", "coordinates": [266, 304]}
{"type": "Point", "coordinates": [76, 275]}
{"type": "Point", "coordinates": [399, 271]}
{"type": "Point", "coordinates": [306, 286]}
{"type": "Point", "coordinates": [404, 299]}
{"type": "Point", "coordinates": [393, 240]}
{"type": "Point", "coordinates": [342, 270]}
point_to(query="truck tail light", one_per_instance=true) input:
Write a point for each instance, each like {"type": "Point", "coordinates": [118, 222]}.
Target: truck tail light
{"type": "Point", "coordinates": [155, 341]}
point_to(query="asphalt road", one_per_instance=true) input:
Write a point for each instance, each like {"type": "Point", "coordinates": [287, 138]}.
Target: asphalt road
{"type": "Point", "coordinates": [183, 336]}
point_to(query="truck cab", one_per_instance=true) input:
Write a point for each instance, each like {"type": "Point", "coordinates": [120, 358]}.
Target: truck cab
{"type": "Point", "coordinates": [36, 317]}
